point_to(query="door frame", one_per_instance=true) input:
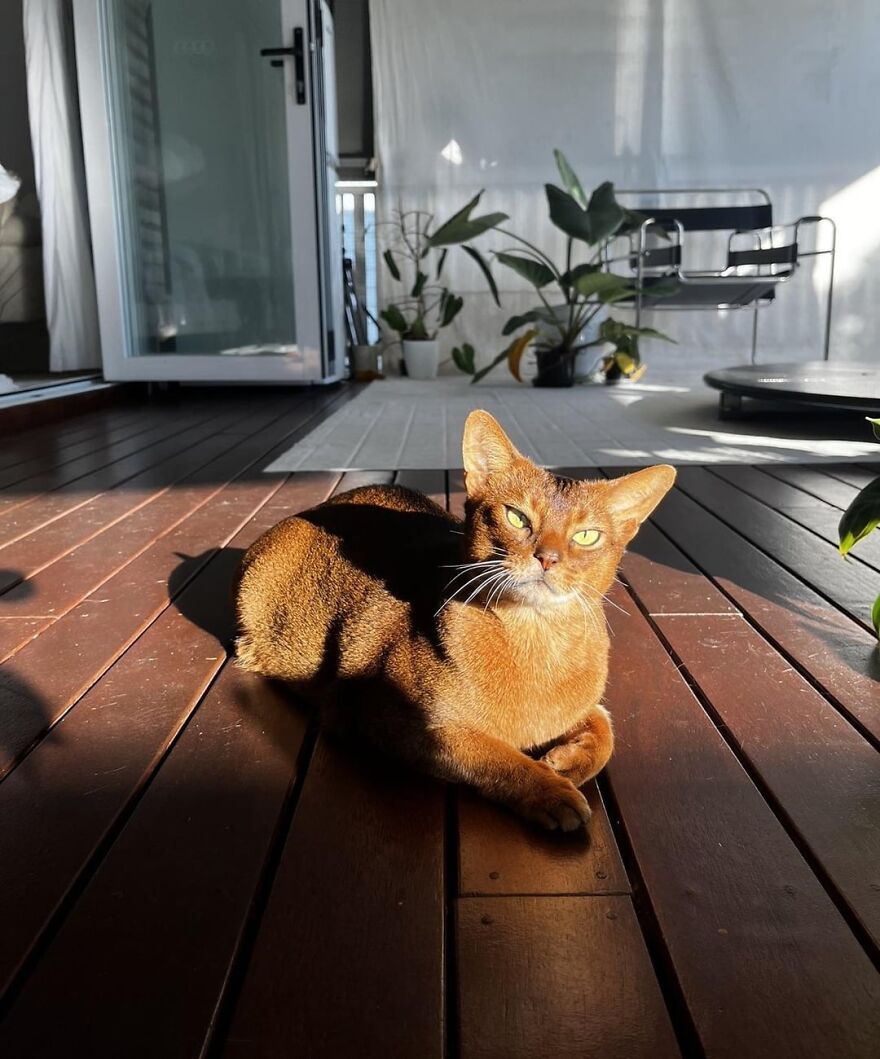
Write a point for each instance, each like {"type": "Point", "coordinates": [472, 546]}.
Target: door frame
{"type": "Point", "coordinates": [120, 362]}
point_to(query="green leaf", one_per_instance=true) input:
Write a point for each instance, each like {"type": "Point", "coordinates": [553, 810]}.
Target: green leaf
{"type": "Point", "coordinates": [418, 286]}
{"type": "Point", "coordinates": [392, 264]}
{"type": "Point", "coordinates": [461, 226]}
{"type": "Point", "coordinates": [484, 268]}
{"type": "Point", "coordinates": [567, 278]}
{"type": "Point", "coordinates": [569, 179]}
{"type": "Point", "coordinates": [441, 261]}
{"type": "Point", "coordinates": [533, 315]}
{"type": "Point", "coordinates": [536, 272]}
{"type": "Point", "coordinates": [502, 356]}
{"type": "Point", "coordinates": [395, 319]}
{"type": "Point", "coordinates": [567, 215]}
{"type": "Point", "coordinates": [450, 308]}
{"type": "Point", "coordinates": [875, 616]}
{"type": "Point", "coordinates": [875, 426]}
{"type": "Point", "coordinates": [596, 282]}
{"type": "Point", "coordinates": [605, 213]}
{"type": "Point", "coordinates": [463, 357]}
{"type": "Point", "coordinates": [862, 516]}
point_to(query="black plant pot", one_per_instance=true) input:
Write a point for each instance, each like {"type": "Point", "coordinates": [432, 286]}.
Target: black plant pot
{"type": "Point", "coordinates": [555, 367]}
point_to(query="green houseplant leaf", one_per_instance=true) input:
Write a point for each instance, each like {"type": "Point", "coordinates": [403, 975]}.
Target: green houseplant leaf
{"type": "Point", "coordinates": [875, 426]}
{"type": "Point", "coordinates": [605, 213]}
{"type": "Point", "coordinates": [461, 226]}
{"type": "Point", "coordinates": [536, 272]}
{"type": "Point", "coordinates": [392, 264]}
{"type": "Point", "coordinates": [862, 516]}
{"type": "Point", "coordinates": [598, 282]}
{"type": "Point", "coordinates": [463, 358]}
{"type": "Point", "coordinates": [875, 616]}
{"type": "Point", "coordinates": [450, 308]}
{"type": "Point", "coordinates": [567, 215]}
{"type": "Point", "coordinates": [395, 319]}
{"type": "Point", "coordinates": [569, 179]}
{"type": "Point", "coordinates": [484, 268]}
{"type": "Point", "coordinates": [419, 285]}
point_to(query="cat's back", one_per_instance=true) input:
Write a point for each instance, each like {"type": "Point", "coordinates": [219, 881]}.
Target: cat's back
{"type": "Point", "coordinates": [369, 559]}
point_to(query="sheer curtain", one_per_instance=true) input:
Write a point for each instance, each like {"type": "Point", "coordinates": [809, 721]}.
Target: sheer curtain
{"type": "Point", "coordinates": [71, 306]}
{"type": "Point", "coordinates": [647, 93]}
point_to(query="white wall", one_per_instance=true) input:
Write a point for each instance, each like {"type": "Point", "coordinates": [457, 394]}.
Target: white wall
{"type": "Point", "coordinates": [646, 93]}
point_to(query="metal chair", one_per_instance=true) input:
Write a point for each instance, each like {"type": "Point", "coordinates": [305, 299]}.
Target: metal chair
{"type": "Point", "coordinates": [760, 255]}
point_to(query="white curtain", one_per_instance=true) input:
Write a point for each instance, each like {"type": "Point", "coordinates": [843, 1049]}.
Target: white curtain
{"type": "Point", "coordinates": [647, 93]}
{"type": "Point", "coordinates": [71, 306]}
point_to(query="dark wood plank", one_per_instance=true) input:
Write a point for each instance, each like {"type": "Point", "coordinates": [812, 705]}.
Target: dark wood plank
{"type": "Point", "coordinates": [851, 473]}
{"type": "Point", "coordinates": [137, 967]}
{"type": "Point", "coordinates": [501, 854]}
{"type": "Point", "coordinates": [431, 483]}
{"type": "Point", "coordinates": [61, 803]}
{"type": "Point", "coordinates": [812, 481]}
{"type": "Point", "coordinates": [457, 493]}
{"type": "Point", "coordinates": [557, 976]}
{"type": "Point", "coordinates": [839, 655]}
{"type": "Point", "coordinates": [46, 677]}
{"type": "Point", "coordinates": [808, 511]}
{"type": "Point", "coordinates": [850, 585]}
{"type": "Point", "coordinates": [349, 955]}
{"type": "Point", "coordinates": [763, 958]}
{"type": "Point", "coordinates": [819, 771]}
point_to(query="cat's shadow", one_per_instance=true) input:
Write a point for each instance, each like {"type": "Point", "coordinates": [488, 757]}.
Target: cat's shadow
{"type": "Point", "coordinates": [209, 601]}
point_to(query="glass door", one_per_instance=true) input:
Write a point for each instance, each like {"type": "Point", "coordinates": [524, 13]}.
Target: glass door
{"type": "Point", "coordinates": [204, 157]}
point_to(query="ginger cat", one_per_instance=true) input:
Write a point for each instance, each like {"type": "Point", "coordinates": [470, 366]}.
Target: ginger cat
{"type": "Point", "coordinates": [456, 646]}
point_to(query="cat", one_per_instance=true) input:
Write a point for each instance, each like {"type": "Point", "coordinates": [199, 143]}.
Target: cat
{"type": "Point", "coordinates": [466, 648]}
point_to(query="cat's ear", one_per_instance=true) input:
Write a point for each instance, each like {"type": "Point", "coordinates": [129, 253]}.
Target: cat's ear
{"type": "Point", "coordinates": [632, 498]}
{"type": "Point", "coordinates": [486, 450]}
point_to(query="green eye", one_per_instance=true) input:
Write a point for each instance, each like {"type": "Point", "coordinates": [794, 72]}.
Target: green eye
{"type": "Point", "coordinates": [516, 518]}
{"type": "Point", "coordinates": [587, 538]}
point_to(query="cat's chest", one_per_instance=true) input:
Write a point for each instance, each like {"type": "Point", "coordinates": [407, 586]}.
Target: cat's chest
{"type": "Point", "coordinates": [530, 688]}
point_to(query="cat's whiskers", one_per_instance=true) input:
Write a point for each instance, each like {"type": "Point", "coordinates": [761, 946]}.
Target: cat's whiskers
{"type": "Point", "coordinates": [483, 577]}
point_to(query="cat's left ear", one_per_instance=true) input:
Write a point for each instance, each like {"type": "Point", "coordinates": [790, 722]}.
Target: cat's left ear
{"type": "Point", "coordinates": [486, 450]}
{"type": "Point", "coordinates": [632, 498]}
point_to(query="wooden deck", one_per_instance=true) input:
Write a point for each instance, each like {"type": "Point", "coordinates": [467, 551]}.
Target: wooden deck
{"type": "Point", "coordinates": [188, 869]}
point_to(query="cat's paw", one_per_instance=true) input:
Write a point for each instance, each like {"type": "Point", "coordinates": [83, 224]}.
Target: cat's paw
{"type": "Point", "coordinates": [573, 761]}
{"type": "Point", "coordinates": [556, 804]}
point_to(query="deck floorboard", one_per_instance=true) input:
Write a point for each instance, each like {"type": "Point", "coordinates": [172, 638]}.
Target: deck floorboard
{"type": "Point", "coordinates": [189, 869]}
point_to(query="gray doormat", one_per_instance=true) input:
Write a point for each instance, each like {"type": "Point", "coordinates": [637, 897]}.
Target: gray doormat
{"type": "Point", "coordinates": [402, 424]}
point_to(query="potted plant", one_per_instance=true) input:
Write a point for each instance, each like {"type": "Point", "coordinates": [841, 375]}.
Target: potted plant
{"type": "Point", "coordinates": [417, 248]}
{"type": "Point", "coordinates": [570, 320]}
{"type": "Point", "coordinates": [861, 518]}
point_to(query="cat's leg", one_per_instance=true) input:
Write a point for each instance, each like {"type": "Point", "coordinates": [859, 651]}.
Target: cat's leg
{"type": "Point", "coordinates": [585, 750]}
{"type": "Point", "coordinates": [504, 774]}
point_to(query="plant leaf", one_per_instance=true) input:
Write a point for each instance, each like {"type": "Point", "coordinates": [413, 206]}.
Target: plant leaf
{"type": "Point", "coordinates": [875, 616]}
{"type": "Point", "coordinates": [441, 261]}
{"type": "Point", "coordinates": [516, 349]}
{"type": "Point", "coordinates": [535, 272]}
{"type": "Point", "coordinates": [483, 372]}
{"type": "Point", "coordinates": [463, 357]}
{"type": "Point", "coordinates": [567, 278]}
{"type": "Point", "coordinates": [395, 319]}
{"type": "Point", "coordinates": [451, 307]}
{"type": "Point", "coordinates": [862, 516]}
{"type": "Point", "coordinates": [569, 179]}
{"type": "Point", "coordinates": [484, 268]}
{"type": "Point", "coordinates": [567, 215]}
{"type": "Point", "coordinates": [596, 282]}
{"type": "Point", "coordinates": [530, 317]}
{"type": "Point", "coordinates": [392, 264]}
{"type": "Point", "coordinates": [875, 426]}
{"type": "Point", "coordinates": [418, 286]}
{"type": "Point", "coordinates": [605, 213]}
{"type": "Point", "coordinates": [461, 226]}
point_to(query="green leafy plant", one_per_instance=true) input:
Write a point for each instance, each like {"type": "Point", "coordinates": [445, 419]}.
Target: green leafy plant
{"type": "Point", "coordinates": [415, 256]}
{"type": "Point", "coordinates": [861, 518]}
{"type": "Point", "coordinates": [581, 287]}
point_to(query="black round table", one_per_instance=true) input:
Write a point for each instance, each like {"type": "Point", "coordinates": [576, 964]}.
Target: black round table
{"type": "Point", "coordinates": [836, 384]}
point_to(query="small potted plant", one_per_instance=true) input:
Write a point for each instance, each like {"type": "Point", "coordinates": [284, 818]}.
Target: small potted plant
{"type": "Point", "coordinates": [415, 257]}
{"type": "Point", "coordinates": [575, 317]}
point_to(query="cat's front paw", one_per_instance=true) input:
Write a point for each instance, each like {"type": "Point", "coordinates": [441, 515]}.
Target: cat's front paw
{"type": "Point", "coordinates": [576, 763]}
{"type": "Point", "coordinates": [555, 804]}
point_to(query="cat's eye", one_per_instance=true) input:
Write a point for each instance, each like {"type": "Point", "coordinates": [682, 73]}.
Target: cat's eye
{"type": "Point", "coordinates": [516, 518]}
{"type": "Point", "coordinates": [587, 538]}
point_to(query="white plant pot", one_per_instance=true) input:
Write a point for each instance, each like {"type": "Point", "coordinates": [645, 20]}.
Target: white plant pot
{"type": "Point", "coordinates": [421, 358]}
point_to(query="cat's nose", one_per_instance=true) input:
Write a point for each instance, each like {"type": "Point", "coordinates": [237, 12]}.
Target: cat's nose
{"type": "Point", "coordinates": [547, 558]}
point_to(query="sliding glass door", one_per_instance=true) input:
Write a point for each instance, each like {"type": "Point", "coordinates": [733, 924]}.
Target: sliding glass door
{"type": "Point", "coordinates": [205, 126]}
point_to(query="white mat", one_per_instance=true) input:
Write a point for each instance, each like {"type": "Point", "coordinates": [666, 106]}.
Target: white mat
{"type": "Point", "coordinates": [403, 424]}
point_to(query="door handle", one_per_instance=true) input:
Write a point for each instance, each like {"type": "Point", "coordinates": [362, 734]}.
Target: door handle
{"type": "Point", "coordinates": [299, 64]}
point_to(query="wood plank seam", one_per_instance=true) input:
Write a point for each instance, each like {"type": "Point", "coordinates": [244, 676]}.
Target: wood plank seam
{"type": "Point", "coordinates": [864, 622]}
{"type": "Point", "coordinates": [811, 678]}
{"type": "Point", "coordinates": [779, 811]}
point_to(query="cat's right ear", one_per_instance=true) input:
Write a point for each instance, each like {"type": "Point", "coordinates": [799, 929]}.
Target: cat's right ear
{"type": "Point", "coordinates": [486, 450]}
